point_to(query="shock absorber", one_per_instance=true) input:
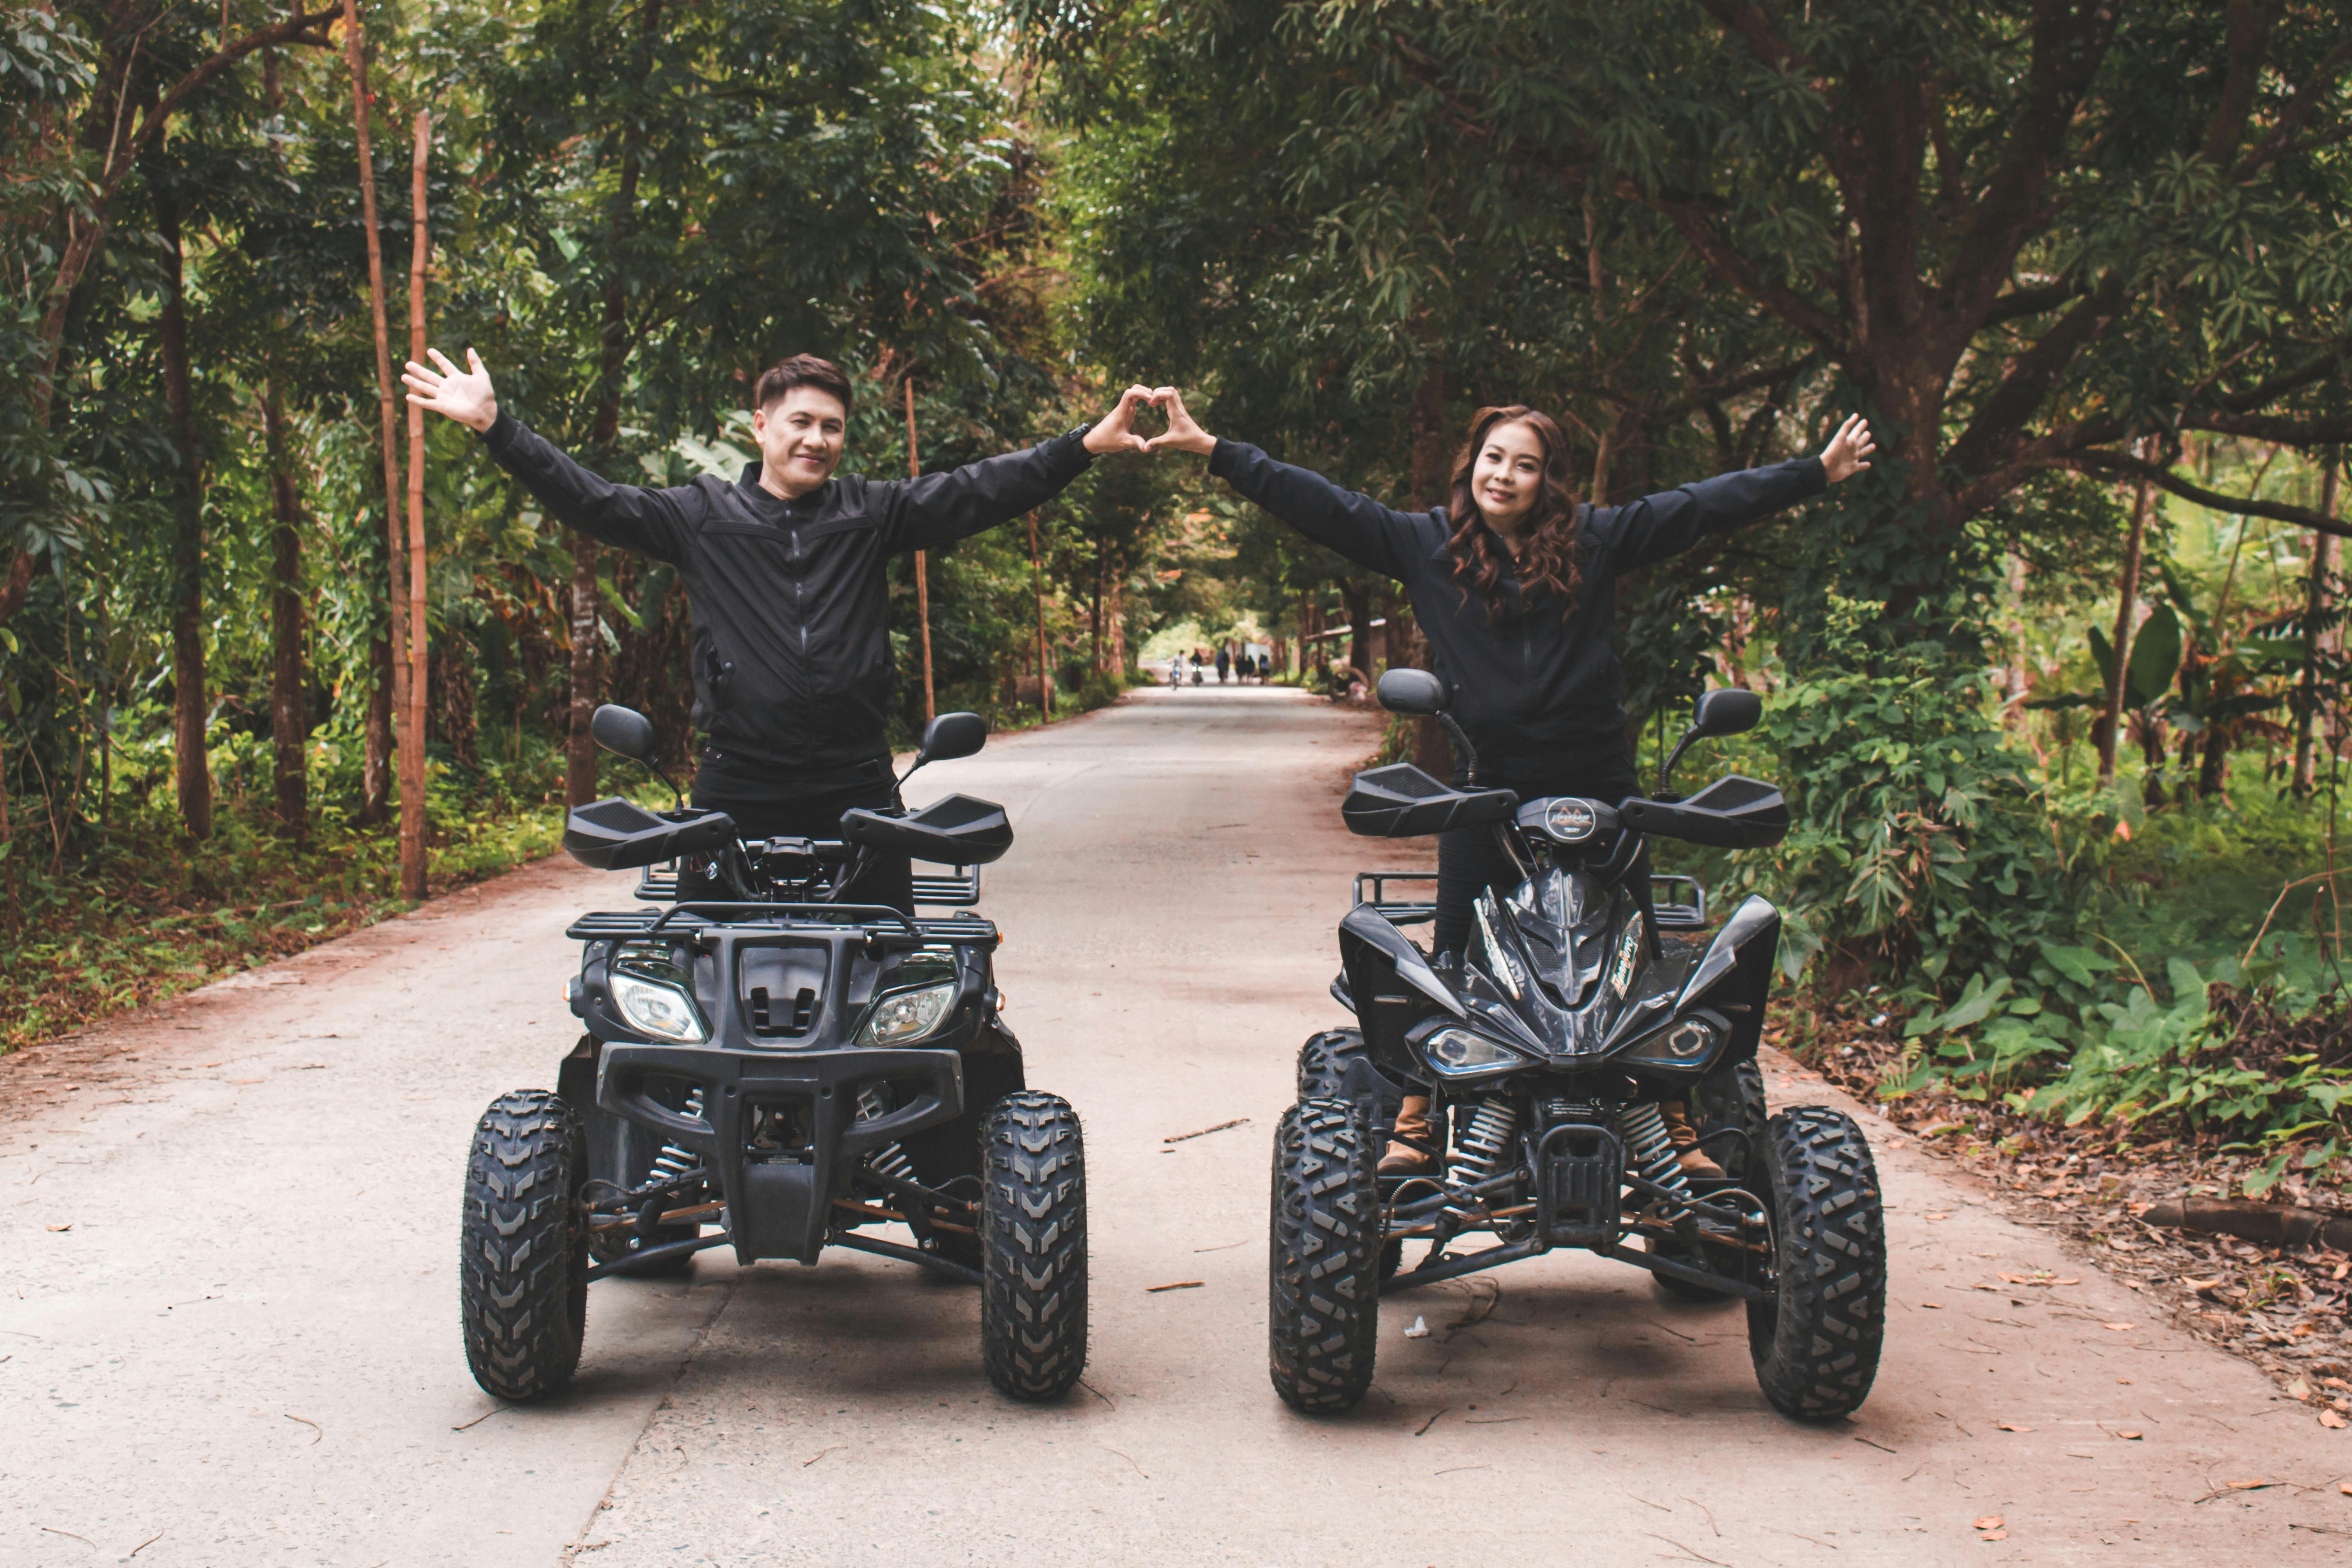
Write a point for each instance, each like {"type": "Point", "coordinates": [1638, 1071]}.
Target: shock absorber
{"type": "Point", "coordinates": [1483, 1144]}
{"type": "Point", "coordinates": [889, 1160]}
{"type": "Point", "coordinates": [1649, 1151]}
{"type": "Point", "coordinates": [675, 1160]}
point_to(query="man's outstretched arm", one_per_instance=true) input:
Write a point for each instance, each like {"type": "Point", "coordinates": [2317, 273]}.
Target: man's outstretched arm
{"type": "Point", "coordinates": [651, 522]}
{"type": "Point", "coordinates": [937, 509]}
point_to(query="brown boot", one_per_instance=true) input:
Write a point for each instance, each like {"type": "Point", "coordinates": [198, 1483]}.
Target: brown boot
{"type": "Point", "coordinates": [1685, 1137]}
{"type": "Point", "coordinates": [1403, 1159]}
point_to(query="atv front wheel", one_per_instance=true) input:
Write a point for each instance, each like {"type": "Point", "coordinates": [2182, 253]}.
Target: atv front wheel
{"type": "Point", "coordinates": [1033, 1245]}
{"type": "Point", "coordinates": [1816, 1343]}
{"type": "Point", "coordinates": [1324, 1306]}
{"type": "Point", "coordinates": [522, 1277]}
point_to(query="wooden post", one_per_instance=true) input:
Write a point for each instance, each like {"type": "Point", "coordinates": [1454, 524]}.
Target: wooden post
{"type": "Point", "coordinates": [411, 718]}
{"type": "Point", "coordinates": [1044, 679]}
{"type": "Point", "coordinates": [2127, 601]}
{"type": "Point", "coordinates": [922, 575]}
{"type": "Point", "coordinates": [2323, 560]}
{"type": "Point", "coordinates": [387, 394]}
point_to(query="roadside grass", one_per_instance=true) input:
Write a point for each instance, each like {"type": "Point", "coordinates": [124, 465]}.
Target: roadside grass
{"type": "Point", "coordinates": [147, 913]}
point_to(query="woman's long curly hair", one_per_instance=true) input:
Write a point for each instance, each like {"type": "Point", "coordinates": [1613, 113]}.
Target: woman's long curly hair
{"type": "Point", "coordinates": [1548, 554]}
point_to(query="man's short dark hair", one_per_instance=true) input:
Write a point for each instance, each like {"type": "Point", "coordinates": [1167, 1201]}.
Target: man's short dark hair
{"type": "Point", "coordinates": [804, 369]}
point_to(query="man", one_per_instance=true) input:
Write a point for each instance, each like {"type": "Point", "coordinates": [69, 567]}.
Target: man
{"type": "Point", "coordinates": [785, 570]}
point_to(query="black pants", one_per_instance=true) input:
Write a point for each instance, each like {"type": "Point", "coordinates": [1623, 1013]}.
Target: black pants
{"type": "Point", "coordinates": [887, 879]}
{"type": "Point", "coordinates": [1470, 861]}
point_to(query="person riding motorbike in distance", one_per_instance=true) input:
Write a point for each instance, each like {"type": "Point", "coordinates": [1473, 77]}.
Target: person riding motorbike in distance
{"type": "Point", "coordinates": [1513, 582]}
{"type": "Point", "coordinates": [785, 570]}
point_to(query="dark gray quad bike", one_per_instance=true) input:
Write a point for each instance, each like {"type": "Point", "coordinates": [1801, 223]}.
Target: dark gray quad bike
{"type": "Point", "coordinates": [1547, 1049]}
{"type": "Point", "coordinates": [780, 1071]}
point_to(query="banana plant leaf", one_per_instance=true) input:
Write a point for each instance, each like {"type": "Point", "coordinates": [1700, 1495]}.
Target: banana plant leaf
{"type": "Point", "coordinates": [2155, 657]}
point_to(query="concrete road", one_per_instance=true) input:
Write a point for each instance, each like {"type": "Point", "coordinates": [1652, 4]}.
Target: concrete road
{"type": "Point", "coordinates": [228, 1329]}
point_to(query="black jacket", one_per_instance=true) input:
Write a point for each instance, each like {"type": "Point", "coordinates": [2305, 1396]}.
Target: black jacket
{"type": "Point", "coordinates": [1537, 694]}
{"type": "Point", "coordinates": [791, 646]}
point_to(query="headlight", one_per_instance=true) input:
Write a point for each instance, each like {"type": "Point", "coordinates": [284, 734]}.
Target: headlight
{"type": "Point", "coordinates": [1460, 1051]}
{"type": "Point", "coordinates": [1689, 1042]}
{"type": "Point", "coordinates": [653, 996]}
{"type": "Point", "coordinates": [908, 1014]}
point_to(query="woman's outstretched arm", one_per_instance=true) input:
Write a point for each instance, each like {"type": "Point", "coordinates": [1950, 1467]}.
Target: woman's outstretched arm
{"type": "Point", "coordinates": [1658, 526]}
{"type": "Point", "coordinates": [1373, 536]}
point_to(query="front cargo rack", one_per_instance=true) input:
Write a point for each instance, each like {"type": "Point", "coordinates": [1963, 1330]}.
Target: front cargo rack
{"type": "Point", "coordinates": [619, 925]}
{"type": "Point", "coordinates": [957, 888]}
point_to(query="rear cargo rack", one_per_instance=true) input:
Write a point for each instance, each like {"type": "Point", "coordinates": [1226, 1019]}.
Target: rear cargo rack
{"type": "Point", "coordinates": [1396, 912]}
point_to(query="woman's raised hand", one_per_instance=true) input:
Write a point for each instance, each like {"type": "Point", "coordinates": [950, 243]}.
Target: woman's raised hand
{"type": "Point", "coordinates": [1183, 433]}
{"type": "Point", "coordinates": [1849, 450]}
{"type": "Point", "coordinates": [464, 395]}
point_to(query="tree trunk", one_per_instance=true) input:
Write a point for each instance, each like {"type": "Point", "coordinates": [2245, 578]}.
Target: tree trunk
{"type": "Point", "coordinates": [2315, 608]}
{"type": "Point", "coordinates": [289, 726]}
{"type": "Point", "coordinates": [411, 718]}
{"type": "Point", "coordinates": [580, 747]}
{"type": "Point", "coordinates": [1037, 577]}
{"type": "Point", "coordinates": [2127, 601]}
{"type": "Point", "coordinates": [1431, 468]}
{"type": "Point", "coordinates": [613, 353]}
{"type": "Point", "coordinates": [1358, 600]}
{"type": "Point", "coordinates": [192, 773]}
{"type": "Point", "coordinates": [376, 735]}
{"type": "Point", "coordinates": [374, 787]}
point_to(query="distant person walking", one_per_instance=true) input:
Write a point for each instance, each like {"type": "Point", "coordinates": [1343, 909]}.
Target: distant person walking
{"type": "Point", "coordinates": [1224, 664]}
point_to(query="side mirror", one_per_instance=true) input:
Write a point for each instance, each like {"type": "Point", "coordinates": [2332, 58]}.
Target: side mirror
{"type": "Point", "coordinates": [1727, 711]}
{"type": "Point", "coordinates": [1412, 691]}
{"type": "Point", "coordinates": [952, 735]}
{"type": "Point", "coordinates": [625, 731]}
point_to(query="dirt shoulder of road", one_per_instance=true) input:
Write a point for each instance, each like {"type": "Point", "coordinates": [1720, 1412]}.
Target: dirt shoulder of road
{"type": "Point", "coordinates": [2285, 1309]}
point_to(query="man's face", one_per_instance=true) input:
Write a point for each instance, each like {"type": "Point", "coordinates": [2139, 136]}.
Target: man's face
{"type": "Point", "coordinates": [800, 436]}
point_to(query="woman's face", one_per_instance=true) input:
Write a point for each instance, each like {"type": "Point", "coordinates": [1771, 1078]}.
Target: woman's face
{"type": "Point", "coordinates": [1507, 475]}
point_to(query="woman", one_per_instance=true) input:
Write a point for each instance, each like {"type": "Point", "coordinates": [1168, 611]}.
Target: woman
{"type": "Point", "coordinates": [1514, 585]}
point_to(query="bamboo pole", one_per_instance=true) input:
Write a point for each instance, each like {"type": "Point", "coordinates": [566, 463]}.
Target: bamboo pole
{"type": "Point", "coordinates": [922, 575]}
{"type": "Point", "coordinates": [1045, 680]}
{"type": "Point", "coordinates": [2128, 599]}
{"type": "Point", "coordinates": [411, 718]}
{"type": "Point", "coordinates": [355, 54]}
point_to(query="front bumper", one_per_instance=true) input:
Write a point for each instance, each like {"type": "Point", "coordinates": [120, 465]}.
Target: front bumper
{"type": "Point", "coordinates": [779, 1207]}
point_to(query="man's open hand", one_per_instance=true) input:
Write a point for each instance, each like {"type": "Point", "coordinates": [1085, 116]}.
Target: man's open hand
{"type": "Point", "coordinates": [464, 395]}
{"type": "Point", "coordinates": [1849, 450]}
{"type": "Point", "coordinates": [1115, 431]}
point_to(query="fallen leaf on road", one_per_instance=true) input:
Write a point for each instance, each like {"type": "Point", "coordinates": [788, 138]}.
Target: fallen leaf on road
{"type": "Point", "coordinates": [2119, 1328]}
{"type": "Point", "coordinates": [67, 1225]}
{"type": "Point", "coordinates": [1933, 1306]}
{"type": "Point", "coordinates": [1990, 1521]}
{"type": "Point", "coordinates": [2200, 1284]}
{"type": "Point", "coordinates": [2252, 1486]}
{"type": "Point", "coordinates": [2298, 1389]}
{"type": "Point", "coordinates": [2012, 1426]}
{"type": "Point", "coordinates": [2335, 1419]}
{"type": "Point", "coordinates": [1994, 1535]}
{"type": "Point", "coordinates": [2128, 1436]}
{"type": "Point", "coordinates": [2345, 1486]}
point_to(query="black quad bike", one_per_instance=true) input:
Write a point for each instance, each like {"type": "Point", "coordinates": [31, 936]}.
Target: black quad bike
{"type": "Point", "coordinates": [778, 1070]}
{"type": "Point", "coordinates": [1547, 1049]}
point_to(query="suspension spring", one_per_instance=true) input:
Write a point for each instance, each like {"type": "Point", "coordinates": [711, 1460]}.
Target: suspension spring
{"type": "Point", "coordinates": [675, 1160]}
{"type": "Point", "coordinates": [889, 1160]}
{"type": "Point", "coordinates": [1649, 1151]}
{"type": "Point", "coordinates": [1484, 1141]}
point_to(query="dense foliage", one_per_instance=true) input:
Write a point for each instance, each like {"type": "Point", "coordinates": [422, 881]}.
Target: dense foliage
{"type": "Point", "coordinates": [2086, 264]}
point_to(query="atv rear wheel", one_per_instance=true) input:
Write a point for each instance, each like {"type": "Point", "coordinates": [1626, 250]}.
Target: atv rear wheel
{"type": "Point", "coordinates": [522, 1276]}
{"type": "Point", "coordinates": [1816, 1343]}
{"type": "Point", "coordinates": [1324, 1306]}
{"type": "Point", "coordinates": [1033, 1245]}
